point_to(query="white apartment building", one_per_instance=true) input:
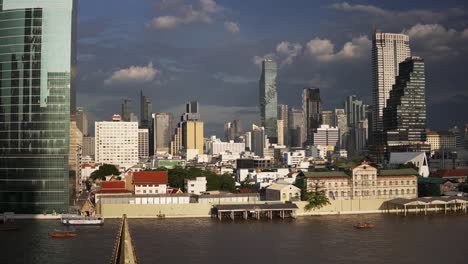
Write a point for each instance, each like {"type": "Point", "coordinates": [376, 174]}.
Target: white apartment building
{"type": "Point", "coordinates": [282, 192]}
{"type": "Point", "coordinates": [116, 143]}
{"type": "Point", "coordinates": [327, 136]}
{"type": "Point", "coordinates": [293, 158]}
{"type": "Point", "coordinates": [143, 143]}
{"type": "Point", "coordinates": [262, 178]}
{"type": "Point", "coordinates": [215, 146]}
{"type": "Point", "coordinates": [197, 186]}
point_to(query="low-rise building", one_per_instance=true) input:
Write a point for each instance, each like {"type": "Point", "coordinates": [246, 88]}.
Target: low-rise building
{"type": "Point", "coordinates": [197, 186]}
{"type": "Point", "coordinates": [457, 175]}
{"type": "Point", "coordinates": [282, 192]}
{"type": "Point", "coordinates": [293, 158]}
{"type": "Point", "coordinates": [419, 159]}
{"type": "Point", "coordinates": [147, 199]}
{"type": "Point", "coordinates": [363, 182]}
{"type": "Point", "coordinates": [111, 188]}
{"type": "Point", "coordinates": [150, 182]}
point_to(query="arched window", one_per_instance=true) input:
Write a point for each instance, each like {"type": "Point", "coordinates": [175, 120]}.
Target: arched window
{"type": "Point", "coordinates": [408, 191]}
{"type": "Point", "coordinates": [378, 192]}
{"type": "Point", "coordinates": [390, 192]}
{"type": "Point", "coordinates": [336, 193]}
{"type": "Point", "coordinates": [414, 191]}
{"type": "Point", "coordinates": [396, 192]}
{"type": "Point", "coordinates": [343, 194]}
{"type": "Point", "coordinates": [385, 192]}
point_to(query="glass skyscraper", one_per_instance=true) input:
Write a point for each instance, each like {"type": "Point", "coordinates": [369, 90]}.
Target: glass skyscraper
{"type": "Point", "coordinates": [268, 99]}
{"type": "Point", "coordinates": [405, 114]}
{"type": "Point", "coordinates": [311, 108]}
{"type": "Point", "coordinates": [37, 59]}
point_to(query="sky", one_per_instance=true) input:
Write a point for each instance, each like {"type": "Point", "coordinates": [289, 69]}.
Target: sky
{"type": "Point", "coordinates": [209, 50]}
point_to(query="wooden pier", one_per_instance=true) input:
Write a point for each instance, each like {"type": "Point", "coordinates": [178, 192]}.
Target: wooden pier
{"type": "Point", "coordinates": [254, 211]}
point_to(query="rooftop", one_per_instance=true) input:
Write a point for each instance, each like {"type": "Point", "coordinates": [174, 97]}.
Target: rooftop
{"type": "Point", "coordinates": [398, 172]}
{"type": "Point", "coordinates": [107, 185]}
{"type": "Point", "coordinates": [321, 174]}
{"type": "Point", "coordinates": [452, 173]}
{"type": "Point", "coordinates": [150, 177]}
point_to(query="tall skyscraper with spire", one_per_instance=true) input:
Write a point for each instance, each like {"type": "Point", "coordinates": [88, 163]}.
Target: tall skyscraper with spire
{"type": "Point", "coordinates": [388, 50]}
{"type": "Point", "coordinates": [268, 100]}
{"type": "Point", "coordinates": [37, 66]}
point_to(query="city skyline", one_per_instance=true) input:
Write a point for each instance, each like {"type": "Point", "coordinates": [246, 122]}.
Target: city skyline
{"type": "Point", "coordinates": [223, 77]}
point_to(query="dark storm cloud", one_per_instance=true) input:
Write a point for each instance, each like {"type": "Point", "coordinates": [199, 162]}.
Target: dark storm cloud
{"type": "Point", "coordinates": [202, 61]}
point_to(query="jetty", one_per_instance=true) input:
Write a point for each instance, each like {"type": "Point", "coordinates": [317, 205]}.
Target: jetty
{"type": "Point", "coordinates": [254, 211]}
{"type": "Point", "coordinates": [124, 250]}
{"type": "Point", "coordinates": [432, 204]}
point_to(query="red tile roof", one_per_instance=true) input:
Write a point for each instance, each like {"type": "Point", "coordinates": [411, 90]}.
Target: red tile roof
{"type": "Point", "coordinates": [108, 185]}
{"type": "Point", "coordinates": [452, 173]}
{"type": "Point", "coordinates": [150, 177]}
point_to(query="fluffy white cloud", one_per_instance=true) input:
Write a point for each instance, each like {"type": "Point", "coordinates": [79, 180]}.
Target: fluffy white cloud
{"type": "Point", "coordinates": [201, 12]}
{"type": "Point", "coordinates": [436, 41]}
{"type": "Point", "coordinates": [288, 51]}
{"type": "Point", "coordinates": [324, 50]}
{"type": "Point", "coordinates": [132, 74]}
{"type": "Point", "coordinates": [232, 27]}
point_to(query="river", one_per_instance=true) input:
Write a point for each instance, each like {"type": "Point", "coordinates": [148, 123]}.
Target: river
{"type": "Point", "coordinates": [324, 239]}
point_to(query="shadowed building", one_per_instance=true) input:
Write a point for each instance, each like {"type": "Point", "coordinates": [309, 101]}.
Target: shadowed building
{"type": "Point", "coordinates": [37, 64]}
{"type": "Point", "coordinates": [311, 108]}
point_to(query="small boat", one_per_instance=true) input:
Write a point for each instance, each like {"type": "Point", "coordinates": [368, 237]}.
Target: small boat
{"type": "Point", "coordinates": [82, 220]}
{"type": "Point", "coordinates": [364, 225]}
{"type": "Point", "coordinates": [62, 234]}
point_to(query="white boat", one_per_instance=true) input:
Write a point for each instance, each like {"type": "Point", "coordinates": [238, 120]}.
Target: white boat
{"type": "Point", "coordinates": [82, 220]}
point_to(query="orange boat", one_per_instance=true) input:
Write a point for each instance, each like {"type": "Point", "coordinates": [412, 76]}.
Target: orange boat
{"type": "Point", "coordinates": [364, 225]}
{"type": "Point", "coordinates": [62, 234]}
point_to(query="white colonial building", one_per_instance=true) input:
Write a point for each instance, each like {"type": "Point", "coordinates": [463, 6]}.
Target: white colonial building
{"type": "Point", "coordinates": [363, 182]}
{"type": "Point", "coordinates": [116, 142]}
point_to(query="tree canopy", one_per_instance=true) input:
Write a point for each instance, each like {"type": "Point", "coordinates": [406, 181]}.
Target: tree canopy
{"type": "Point", "coordinates": [316, 198]}
{"type": "Point", "coordinates": [103, 171]}
{"type": "Point", "coordinates": [178, 175]}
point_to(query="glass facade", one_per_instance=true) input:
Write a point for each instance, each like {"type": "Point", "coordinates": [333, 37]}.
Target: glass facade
{"type": "Point", "coordinates": [268, 99]}
{"type": "Point", "coordinates": [36, 78]}
{"type": "Point", "coordinates": [405, 114]}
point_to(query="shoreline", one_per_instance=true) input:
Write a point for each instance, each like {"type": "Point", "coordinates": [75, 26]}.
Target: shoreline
{"type": "Point", "coordinates": [299, 215]}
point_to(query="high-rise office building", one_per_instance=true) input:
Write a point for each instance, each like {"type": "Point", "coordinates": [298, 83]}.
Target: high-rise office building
{"type": "Point", "coordinates": [405, 113]}
{"type": "Point", "coordinates": [311, 108]}
{"type": "Point", "coordinates": [88, 147]}
{"type": "Point", "coordinates": [143, 143]}
{"type": "Point", "coordinates": [146, 108]}
{"type": "Point", "coordinates": [116, 142]}
{"type": "Point", "coordinates": [455, 130]}
{"type": "Point", "coordinates": [296, 127]}
{"type": "Point", "coordinates": [189, 133]}
{"type": "Point", "coordinates": [388, 50]}
{"type": "Point", "coordinates": [280, 136]}
{"type": "Point", "coordinates": [233, 130]}
{"type": "Point", "coordinates": [37, 68]}
{"type": "Point", "coordinates": [258, 138]}
{"type": "Point", "coordinates": [74, 159]}
{"type": "Point", "coordinates": [327, 117]}
{"type": "Point", "coordinates": [163, 129]}
{"type": "Point", "coordinates": [82, 120]}
{"type": "Point", "coordinates": [268, 98]}
{"type": "Point", "coordinates": [283, 114]}
{"type": "Point", "coordinates": [341, 123]}
{"type": "Point", "coordinates": [127, 110]}
{"type": "Point", "coordinates": [327, 136]}
{"type": "Point", "coordinates": [356, 116]}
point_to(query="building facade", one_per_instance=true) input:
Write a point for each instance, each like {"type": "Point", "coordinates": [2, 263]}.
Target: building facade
{"type": "Point", "coordinates": [88, 147]}
{"type": "Point", "coordinates": [116, 143]}
{"type": "Point", "coordinates": [404, 116]}
{"type": "Point", "coordinates": [82, 120]}
{"type": "Point", "coordinates": [163, 131]}
{"type": "Point", "coordinates": [296, 127]}
{"type": "Point", "coordinates": [143, 143]}
{"type": "Point", "coordinates": [268, 100]}
{"type": "Point", "coordinates": [364, 183]}
{"type": "Point", "coordinates": [283, 114]}
{"type": "Point", "coordinates": [311, 109]}
{"type": "Point", "coordinates": [197, 186]}
{"type": "Point", "coordinates": [326, 136]}
{"type": "Point", "coordinates": [146, 109]}
{"type": "Point", "coordinates": [358, 125]}
{"type": "Point", "coordinates": [127, 113]}
{"type": "Point", "coordinates": [37, 70]}
{"type": "Point", "coordinates": [388, 50]}
{"type": "Point", "coordinates": [258, 140]}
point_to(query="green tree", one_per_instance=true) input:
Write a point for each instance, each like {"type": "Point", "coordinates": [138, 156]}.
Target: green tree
{"type": "Point", "coordinates": [316, 198]}
{"type": "Point", "coordinates": [227, 183]}
{"type": "Point", "coordinates": [103, 171]}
